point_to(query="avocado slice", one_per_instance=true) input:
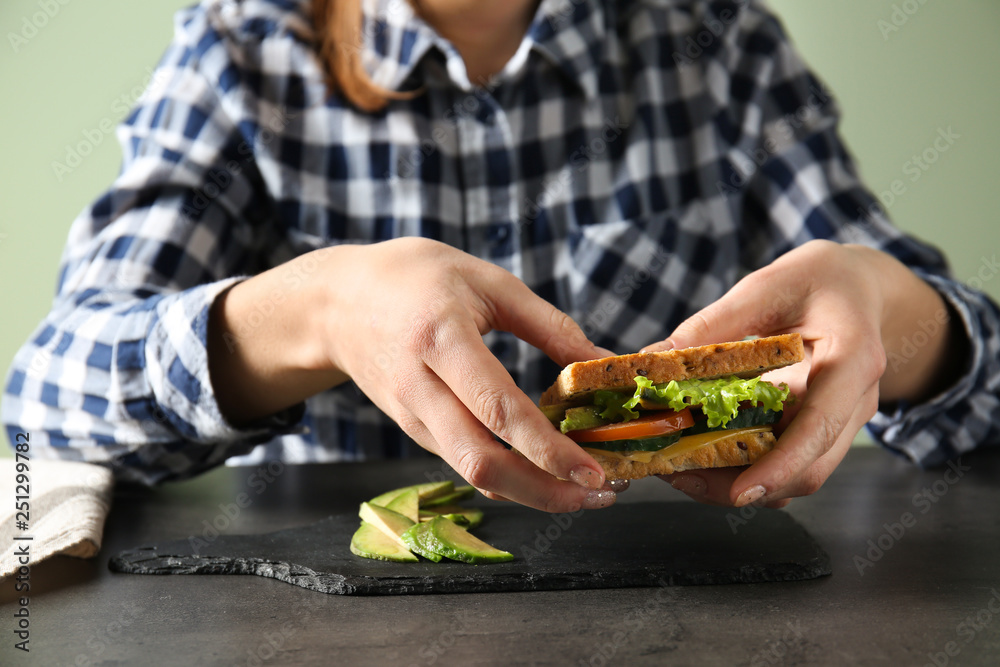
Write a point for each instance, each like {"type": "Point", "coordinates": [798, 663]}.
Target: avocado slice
{"type": "Point", "coordinates": [452, 541]}
{"type": "Point", "coordinates": [407, 503]}
{"type": "Point", "coordinates": [425, 491]}
{"type": "Point", "coordinates": [392, 524]}
{"type": "Point", "coordinates": [370, 542]}
{"type": "Point", "coordinates": [585, 416]}
{"type": "Point", "coordinates": [462, 520]}
{"type": "Point", "coordinates": [467, 517]}
{"type": "Point", "coordinates": [415, 540]}
{"type": "Point", "coordinates": [460, 493]}
{"type": "Point", "coordinates": [554, 413]}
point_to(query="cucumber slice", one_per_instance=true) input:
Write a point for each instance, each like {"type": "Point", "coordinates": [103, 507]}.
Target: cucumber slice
{"type": "Point", "coordinates": [745, 418]}
{"type": "Point", "coordinates": [467, 517]}
{"type": "Point", "coordinates": [370, 542]}
{"type": "Point", "coordinates": [653, 444]}
{"type": "Point", "coordinates": [407, 503]}
{"type": "Point", "coordinates": [415, 540]}
{"type": "Point", "coordinates": [460, 493]}
{"type": "Point", "coordinates": [425, 491]}
{"type": "Point", "coordinates": [392, 524]}
{"type": "Point", "coordinates": [452, 541]}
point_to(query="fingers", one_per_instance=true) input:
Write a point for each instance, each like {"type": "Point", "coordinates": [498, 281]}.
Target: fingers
{"type": "Point", "coordinates": [706, 486]}
{"type": "Point", "coordinates": [447, 427]}
{"type": "Point", "coordinates": [827, 294]}
{"type": "Point", "coordinates": [800, 474]}
{"type": "Point", "coordinates": [466, 367]}
{"type": "Point", "coordinates": [444, 387]}
{"type": "Point", "coordinates": [616, 485]}
{"type": "Point", "coordinates": [842, 396]}
{"type": "Point", "coordinates": [515, 308]}
{"type": "Point", "coordinates": [712, 487]}
{"type": "Point", "coordinates": [763, 303]}
{"type": "Point", "coordinates": [817, 472]}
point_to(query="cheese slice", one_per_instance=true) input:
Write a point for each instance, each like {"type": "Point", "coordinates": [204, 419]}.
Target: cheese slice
{"type": "Point", "coordinates": [685, 445]}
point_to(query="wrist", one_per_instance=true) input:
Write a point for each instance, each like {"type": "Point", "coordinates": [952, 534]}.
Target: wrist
{"type": "Point", "coordinates": [924, 339]}
{"type": "Point", "coordinates": [264, 351]}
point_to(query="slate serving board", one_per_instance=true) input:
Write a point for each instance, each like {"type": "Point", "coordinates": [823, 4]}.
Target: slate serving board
{"type": "Point", "coordinates": [629, 545]}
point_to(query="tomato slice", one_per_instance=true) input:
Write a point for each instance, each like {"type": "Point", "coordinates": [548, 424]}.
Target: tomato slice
{"type": "Point", "coordinates": [647, 426]}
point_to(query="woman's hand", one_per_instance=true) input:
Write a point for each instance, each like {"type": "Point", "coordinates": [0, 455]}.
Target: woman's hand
{"type": "Point", "coordinates": [858, 311]}
{"type": "Point", "coordinates": [404, 320]}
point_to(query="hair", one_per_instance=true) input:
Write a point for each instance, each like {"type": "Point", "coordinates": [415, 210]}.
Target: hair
{"type": "Point", "coordinates": [338, 25]}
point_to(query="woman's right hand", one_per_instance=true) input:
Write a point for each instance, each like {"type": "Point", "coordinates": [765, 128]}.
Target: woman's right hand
{"type": "Point", "coordinates": [404, 320]}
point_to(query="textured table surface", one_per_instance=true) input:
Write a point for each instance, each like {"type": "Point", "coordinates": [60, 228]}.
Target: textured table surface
{"type": "Point", "coordinates": [914, 557]}
{"type": "Point", "coordinates": [630, 545]}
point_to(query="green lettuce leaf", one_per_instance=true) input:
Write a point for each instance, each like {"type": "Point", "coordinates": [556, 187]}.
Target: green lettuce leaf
{"type": "Point", "coordinates": [718, 399]}
{"type": "Point", "coordinates": [615, 405]}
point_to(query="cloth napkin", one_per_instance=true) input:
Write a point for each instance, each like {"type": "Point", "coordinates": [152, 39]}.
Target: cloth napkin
{"type": "Point", "coordinates": [67, 505]}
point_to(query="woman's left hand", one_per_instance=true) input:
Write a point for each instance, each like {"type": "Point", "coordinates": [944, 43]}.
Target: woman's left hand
{"type": "Point", "coordinates": [858, 311]}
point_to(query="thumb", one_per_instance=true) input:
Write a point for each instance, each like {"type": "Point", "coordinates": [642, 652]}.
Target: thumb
{"type": "Point", "coordinates": [754, 306]}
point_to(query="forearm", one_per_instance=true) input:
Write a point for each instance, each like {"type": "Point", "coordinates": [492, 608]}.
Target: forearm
{"type": "Point", "coordinates": [926, 346]}
{"type": "Point", "coordinates": [964, 414]}
{"type": "Point", "coordinates": [265, 342]}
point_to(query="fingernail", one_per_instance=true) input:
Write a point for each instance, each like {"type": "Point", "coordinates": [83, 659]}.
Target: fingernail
{"type": "Point", "coordinates": [586, 477]}
{"type": "Point", "coordinates": [598, 499]}
{"type": "Point", "coordinates": [662, 346]}
{"type": "Point", "coordinates": [751, 495]}
{"type": "Point", "coordinates": [690, 484]}
{"type": "Point", "coordinates": [616, 485]}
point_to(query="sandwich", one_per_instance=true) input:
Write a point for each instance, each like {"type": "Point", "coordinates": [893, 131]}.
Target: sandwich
{"type": "Point", "coordinates": [658, 413]}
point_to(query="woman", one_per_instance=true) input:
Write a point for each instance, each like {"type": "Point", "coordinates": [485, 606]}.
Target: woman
{"type": "Point", "coordinates": [426, 197]}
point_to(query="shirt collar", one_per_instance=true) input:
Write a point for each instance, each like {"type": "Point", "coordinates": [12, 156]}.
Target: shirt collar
{"type": "Point", "coordinates": [568, 33]}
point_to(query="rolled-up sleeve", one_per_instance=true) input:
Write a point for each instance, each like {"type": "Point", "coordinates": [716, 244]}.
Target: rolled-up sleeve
{"type": "Point", "coordinates": [118, 373]}
{"type": "Point", "coordinates": [795, 181]}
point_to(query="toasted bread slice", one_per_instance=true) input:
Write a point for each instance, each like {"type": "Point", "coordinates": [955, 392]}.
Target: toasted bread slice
{"type": "Point", "coordinates": [748, 358]}
{"type": "Point", "coordinates": [740, 449]}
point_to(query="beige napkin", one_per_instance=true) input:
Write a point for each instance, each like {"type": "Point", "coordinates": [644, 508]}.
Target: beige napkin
{"type": "Point", "coordinates": [67, 505]}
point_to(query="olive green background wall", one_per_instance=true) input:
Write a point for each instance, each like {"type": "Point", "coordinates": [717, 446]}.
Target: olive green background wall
{"type": "Point", "coordinates": [69, 68]}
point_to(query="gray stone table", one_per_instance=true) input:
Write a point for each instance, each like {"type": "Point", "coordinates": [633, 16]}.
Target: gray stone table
{"type": "Point", "coordinates": [915, 581]}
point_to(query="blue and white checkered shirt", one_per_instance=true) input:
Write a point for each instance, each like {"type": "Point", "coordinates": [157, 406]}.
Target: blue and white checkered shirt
{"type": "Point", "coordinates": [632, 162]}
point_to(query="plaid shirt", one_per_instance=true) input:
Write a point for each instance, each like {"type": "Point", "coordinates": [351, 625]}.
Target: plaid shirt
{"type": "Point", "coordinates": [632, 162]}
